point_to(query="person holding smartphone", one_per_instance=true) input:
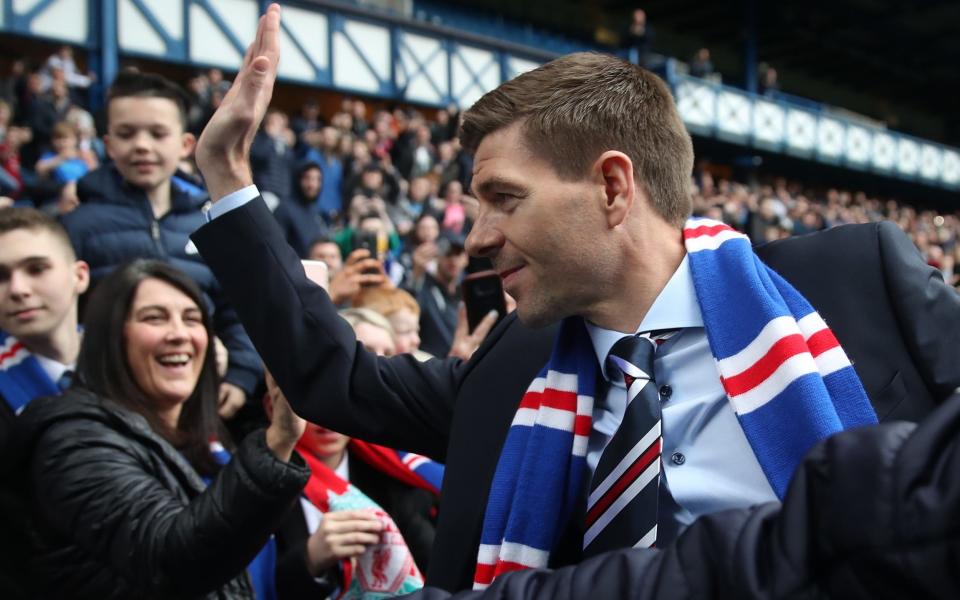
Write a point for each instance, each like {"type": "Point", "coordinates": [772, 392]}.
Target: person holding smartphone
{"type": "Point", "coordinates": [439, 296]}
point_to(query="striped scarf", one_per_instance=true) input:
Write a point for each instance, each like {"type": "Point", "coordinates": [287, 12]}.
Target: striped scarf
{"type": "Point", "coordinates": [786, 376]}
{"type": "Point", "coordinates": [412, 469]}
{"type": "Point", "coordinates": [22, 378]}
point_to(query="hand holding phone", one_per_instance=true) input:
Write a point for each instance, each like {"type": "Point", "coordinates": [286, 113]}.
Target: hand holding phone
{"type": "Point", "coordinates": [483, 293]}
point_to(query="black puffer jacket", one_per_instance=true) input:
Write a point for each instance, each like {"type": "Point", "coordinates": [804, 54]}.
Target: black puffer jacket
{"type": "Point", "coordinates": [116, 512]}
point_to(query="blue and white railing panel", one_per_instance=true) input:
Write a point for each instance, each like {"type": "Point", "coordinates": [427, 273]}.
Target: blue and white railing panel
{"type": "Point", "coordinates": [800, 133]}
{"type": "Point", "coordinates": [422, 72]}
{"type": "Point", "coordinates": [304, 46]}
{"type": "Point", "coordinates": [474, 71]}
{"type": "Point", "coordinates": [61, 20]}
{"type": "Point", "coordinates": [734, 114]}
{"type": "Point", "coordinates": [711, 109]}
{"type": "Point", "coordinates": [323, 45]}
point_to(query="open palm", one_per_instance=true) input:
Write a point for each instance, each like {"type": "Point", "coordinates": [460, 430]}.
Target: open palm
{"type": "Point", "coordinates": [224, 146]}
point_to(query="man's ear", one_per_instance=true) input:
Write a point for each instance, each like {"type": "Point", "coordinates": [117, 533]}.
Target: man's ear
{"type": "Point", "coordinates": [82, 273]}
{"type": "Point", "coordinates": [188, 142]}
{"type": "Point", "coordinates": [615, 170]}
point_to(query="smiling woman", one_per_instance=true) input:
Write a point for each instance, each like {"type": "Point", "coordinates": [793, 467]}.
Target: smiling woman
{"type": "Point", "coordinates": [114, 471]}
{"type": "Point", "coordinates": [166, 346]}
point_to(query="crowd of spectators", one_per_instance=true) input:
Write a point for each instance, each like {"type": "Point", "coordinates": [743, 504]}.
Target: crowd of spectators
{"type": "Point", "coordinates": [780, 209]}
{"type": "Point", "coordinates": [394, 174]}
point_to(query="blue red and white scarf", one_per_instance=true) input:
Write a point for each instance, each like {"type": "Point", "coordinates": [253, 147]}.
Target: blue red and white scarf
{"type": "Point", "coordinates": [22, 378]}
{"type": "Point", "coordinates": [412, 469]}
{"type": "Point", "coordinates": [786, 376]}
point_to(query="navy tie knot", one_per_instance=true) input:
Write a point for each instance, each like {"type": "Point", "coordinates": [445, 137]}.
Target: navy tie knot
{"type": "Point", "coordinates": [632, 356]}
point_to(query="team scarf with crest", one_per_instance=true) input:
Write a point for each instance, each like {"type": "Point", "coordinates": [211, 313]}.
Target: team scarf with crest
{"type": "Point", "coordinates": [385, 569]}
{"type": "Point", "coordinates": [787, 379]}
{"type": "Point", "coordinates": [22, 378]}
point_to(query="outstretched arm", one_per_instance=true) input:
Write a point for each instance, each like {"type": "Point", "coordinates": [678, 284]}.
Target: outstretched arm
{"type": "Point", "coordinates": [328, 377]}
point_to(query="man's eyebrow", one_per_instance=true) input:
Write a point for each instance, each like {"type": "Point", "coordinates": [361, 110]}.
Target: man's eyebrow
{"type": "Point", "coordinates": [487, 186]}
{"type": "Point", "coordinates": [28, 259]}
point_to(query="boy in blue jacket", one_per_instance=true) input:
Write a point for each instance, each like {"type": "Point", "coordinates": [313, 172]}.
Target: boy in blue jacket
{"type": "Point", "coordinates": [137, 207]}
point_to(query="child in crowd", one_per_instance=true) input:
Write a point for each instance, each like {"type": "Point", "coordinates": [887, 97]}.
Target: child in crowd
{"type": "Point", "coordinates": [138, 207]}
{"type": "Point", "coordinates": [91, 146]}
{"type": "Point", "coordinates": [364, 505]}
{"type": "Point", "coordinates": [64, 163]}
{"type": "Point", "coordinates": [401, 310]}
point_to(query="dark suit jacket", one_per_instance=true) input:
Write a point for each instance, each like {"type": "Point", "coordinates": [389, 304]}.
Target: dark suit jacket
{"type": "Point", "coordinates": [896, 319]}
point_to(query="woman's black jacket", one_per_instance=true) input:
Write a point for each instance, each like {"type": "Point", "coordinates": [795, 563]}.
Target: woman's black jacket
{"type": "Point", "coordinates": [114, 511]}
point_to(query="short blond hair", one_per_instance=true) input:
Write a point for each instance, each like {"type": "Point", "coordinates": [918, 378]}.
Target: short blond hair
{"type": "Point", "coordinates": [356, 316]}
{"type": "Point", "coordinates": [386, 301]}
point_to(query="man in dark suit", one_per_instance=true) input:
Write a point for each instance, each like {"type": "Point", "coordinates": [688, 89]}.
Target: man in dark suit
{"type": "Point", "coordinates": [894, 317]}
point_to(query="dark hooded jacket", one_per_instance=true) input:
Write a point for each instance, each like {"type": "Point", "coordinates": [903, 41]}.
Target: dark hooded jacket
{"type": "Point", "coordinates": [298, 217]}
{"type": "Point", "coordinates": [115, 224]}
{"type": "Point", "coordinates": [112, 510]}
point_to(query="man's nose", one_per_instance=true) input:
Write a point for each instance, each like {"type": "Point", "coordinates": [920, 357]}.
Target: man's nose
{"type": "Point", "coordinates": [485, 239]}
{"type": "Point", "coordinates": [19, 285]}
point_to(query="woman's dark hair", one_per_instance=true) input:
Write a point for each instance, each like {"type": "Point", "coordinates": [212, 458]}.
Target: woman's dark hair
{"type": "Point", "coordinates": [102, 366]}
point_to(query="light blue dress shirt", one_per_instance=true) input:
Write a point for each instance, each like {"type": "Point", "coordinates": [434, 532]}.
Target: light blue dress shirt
{"type": "Point", "coordinates": [231, 201]}
{"type": "Point", "coordinates": [708, 464]}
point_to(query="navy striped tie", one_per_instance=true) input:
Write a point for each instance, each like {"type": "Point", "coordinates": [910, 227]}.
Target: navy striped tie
{"type": "Point", "coordinates": [622, 504]}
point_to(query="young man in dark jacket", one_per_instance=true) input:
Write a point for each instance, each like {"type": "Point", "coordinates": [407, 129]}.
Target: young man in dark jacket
{"type": "Point", "coordinates": [439, 297]}
{"type": "Point", "coordinates": [138, 208]}
{"type": "Point", "coordinates": [40, 281]}
{"type": "Point", "coordinates": [297, 215]}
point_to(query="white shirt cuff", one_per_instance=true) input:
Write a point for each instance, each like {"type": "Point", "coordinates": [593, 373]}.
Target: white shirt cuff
{"type": "Point", "coordinates": [231, 201]}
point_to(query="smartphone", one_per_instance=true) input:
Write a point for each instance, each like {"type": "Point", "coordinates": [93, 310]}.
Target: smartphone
{"type": "Point", "coordinates": [483, 292]}
{"type": "Point", "coordinates": [317, 272]}
{"type": "Point", "coordinates": [369, 241]}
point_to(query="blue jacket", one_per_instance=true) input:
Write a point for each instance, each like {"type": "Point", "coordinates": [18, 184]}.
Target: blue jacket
{"type": "Point", "coordinates": [114, 224]}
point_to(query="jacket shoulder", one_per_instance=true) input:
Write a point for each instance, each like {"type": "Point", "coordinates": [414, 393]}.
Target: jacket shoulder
{"type": "Point", "coordinates": [834, 237]}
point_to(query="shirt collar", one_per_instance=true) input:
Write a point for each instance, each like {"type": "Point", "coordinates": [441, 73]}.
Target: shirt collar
{"type": "Point", "coordinates": [675, 307]}
{"type": "Point", "coordinates": [52, 368]}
